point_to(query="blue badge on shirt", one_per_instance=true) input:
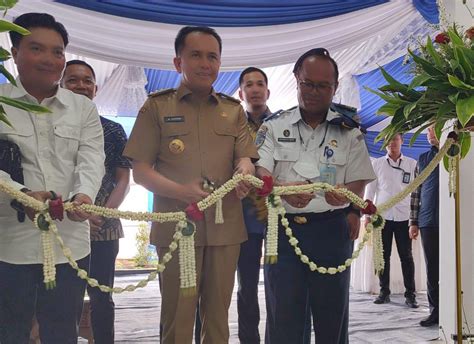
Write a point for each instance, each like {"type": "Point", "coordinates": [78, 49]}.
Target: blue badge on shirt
{"type": "Point", "coordinates": [261, 135]}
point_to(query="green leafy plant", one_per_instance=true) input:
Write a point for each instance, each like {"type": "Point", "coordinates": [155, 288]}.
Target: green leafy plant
{"type": "Point", "coordinates": [144, 256]}
{"type": "Point", "coordinates": [6, 26]}
{"type": "Point", "coordinates": [441, 92]}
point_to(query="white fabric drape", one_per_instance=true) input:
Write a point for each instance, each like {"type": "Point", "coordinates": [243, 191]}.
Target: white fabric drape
{"type": "Point", "coordinates": [124, 93]}
{"type": "Point", "coordinates": [363, 277]}
{"type": "Point", "coordinates": [148, 44]}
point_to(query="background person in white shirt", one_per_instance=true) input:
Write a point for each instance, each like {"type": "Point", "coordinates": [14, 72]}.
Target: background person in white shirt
{"type": "Point", "coordinates": [394, 172]}
{"type": "Point", "coordinates": [62, 151]}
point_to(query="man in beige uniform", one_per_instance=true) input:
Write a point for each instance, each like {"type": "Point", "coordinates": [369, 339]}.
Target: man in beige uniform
{"type": "Point", "coordinates": [182, 137]}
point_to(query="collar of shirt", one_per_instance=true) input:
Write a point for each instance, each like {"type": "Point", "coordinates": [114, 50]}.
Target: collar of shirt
{"type": "Point", "coordinates": [296, 115]}
{"type": "Point", "coordinates": [390, 159]}
{"type": "Point", "coordinates": [264, 115]}
{"type": "Point", "coordinates": [61, 94]}
{"type": "Point", "coordinates": [183, 92]}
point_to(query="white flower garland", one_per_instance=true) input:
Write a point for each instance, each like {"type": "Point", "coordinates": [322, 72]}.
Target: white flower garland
{"type": "Point", "coordinates": [186, 243]}
{"type": "Point", "coordinates": [187, 260]}
{"type": "Point", "coordinates": [271, 239]}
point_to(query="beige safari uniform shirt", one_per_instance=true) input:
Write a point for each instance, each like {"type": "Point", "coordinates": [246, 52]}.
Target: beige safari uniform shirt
{"type": "Point", "coordinates": [186, 140]}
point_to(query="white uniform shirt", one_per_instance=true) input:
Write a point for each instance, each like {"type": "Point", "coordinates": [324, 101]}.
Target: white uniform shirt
{"type": "Point", "coordinates": [62, 151]}
{"type": "Point", "coordinates": [390, 182]}
{"type": "Point", "coordinates": [293, 151]}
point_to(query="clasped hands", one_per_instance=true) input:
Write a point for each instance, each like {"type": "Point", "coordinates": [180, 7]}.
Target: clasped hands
{"type": "Point", "coordinates": [76, 215]}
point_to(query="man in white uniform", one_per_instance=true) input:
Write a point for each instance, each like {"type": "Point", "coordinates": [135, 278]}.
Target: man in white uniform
{"type": "Point", "coordinates": [313, 142]}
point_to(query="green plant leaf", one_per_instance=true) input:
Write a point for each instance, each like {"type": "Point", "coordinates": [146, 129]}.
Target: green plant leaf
{"type": "Point", "coordinates": [7, 74]}
{"type": "Point", "coordinates": [433, 53]}
{"type": "Point", "coordinates": [4, 118]}
{"type": "Point", "coordinates": [4, 54]}
{"type": "Point", "coordinates": [7, 4]}
{"type": "Point", "coordinates": [426, 65]}
{"type": "Point", "coordinates": [24, 105]}
{"type": "Point", "coordinates": [419, 80]}
{"type": "Point", "coordinates": [465, 141]}
{"type": "Point", "coordinates": [459, 83]}
{"type": "Point", "coordinates": [387, 109]}
{"type": "Point", "coordinates": [454, 37]}
{"type": "Point", "coordinates": [446, 163]}
{"type": "Point", "coordinates": [453, 98]}
{"type": "Point", "coordinates": [407, 109]}
{"type": "Point", "coordinates": [465, 109]}
{"type": "Point", "coordinates": [439, 128]}
{"type": "Point", "coordinates": [8, 26]}
{"type": "Point", "coordinates": [392, 99]}
{"type": "Point", "coordinates": [418, 132]}
{"type": "Point", "coordinates": [445, 108]}
{"type": "Point", "coordinates": [466, 67]}
{"type": "Point", "coordinates": [468, 54]}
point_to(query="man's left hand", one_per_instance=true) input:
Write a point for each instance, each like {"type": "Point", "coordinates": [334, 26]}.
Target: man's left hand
{"type": "Point", "coordinates": [76, 214]}
{"type": "Point", "coordinates": [353, 221]}
{"type": "Point", "coordinates": [335, 199]}
{"type": "Point", "coordinates": [96, 222]}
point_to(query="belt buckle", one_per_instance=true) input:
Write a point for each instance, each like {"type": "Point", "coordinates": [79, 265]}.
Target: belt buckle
{"type": "Point", "coordinates": [301, 220]}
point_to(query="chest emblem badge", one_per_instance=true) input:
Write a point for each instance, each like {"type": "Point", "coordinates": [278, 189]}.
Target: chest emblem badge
{"type": "Point", "coordinates": [176, 146]}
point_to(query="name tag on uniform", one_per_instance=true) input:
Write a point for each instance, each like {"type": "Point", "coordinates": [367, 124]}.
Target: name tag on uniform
{"type": "Point", "coordinates": [174, 119]}
{"type": "Point", "coordinates": [406, 178]}
{"type": "Point", "coordinates": [327, 174]}
{"type": "Point", "coordinates": [286, 139]}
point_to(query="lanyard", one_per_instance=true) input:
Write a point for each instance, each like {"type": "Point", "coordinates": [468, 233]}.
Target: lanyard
{"type": "Point", "coordinates": [396, 167]}
{"type": "Point", "coordinates": [307, 143]}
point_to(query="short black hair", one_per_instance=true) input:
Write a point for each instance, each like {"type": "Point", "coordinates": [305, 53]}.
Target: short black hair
{"type": "Point", "coordinates": [185, 31]}
{"type": "Point", "coordinates": [251, 70]}
{"type": "Point", "coordinates": [38, 20]}
{"type": "Point", "coordinates": [82, 63]}
{"type": "Point", "coordinates": [319, 52]}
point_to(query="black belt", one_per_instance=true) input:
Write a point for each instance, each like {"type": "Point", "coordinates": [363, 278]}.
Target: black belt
{"type": "Point", "coordinates": [316, 216]}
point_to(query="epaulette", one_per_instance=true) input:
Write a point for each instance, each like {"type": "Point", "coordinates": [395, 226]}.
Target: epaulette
{"type": "Point", "coordinates": [161, 92]}
{"type": "Point", "coordinates": [278, 113]}
{"type": "Point", "coordinates": [226, 96]}
{"type": "Point", "coordinates": [348, 117]}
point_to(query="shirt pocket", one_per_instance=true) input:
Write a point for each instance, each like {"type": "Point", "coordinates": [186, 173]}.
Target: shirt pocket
{"type": "Point", "coordinates": [22, 136]}
{"type": "Point", "coordinates": [285, 154]}
{"type": "Point", "coordinates": [223, 128]}
{"type": "Point", "coordinates": [226, 137]}
{"type": "Point", "coordinates": [339, 157]}
{"type": "Point", "coordinates": [66, 141]}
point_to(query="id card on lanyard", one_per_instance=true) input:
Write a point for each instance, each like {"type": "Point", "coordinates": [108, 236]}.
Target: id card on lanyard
{"type": "Point", "coordinates": [327, 173]}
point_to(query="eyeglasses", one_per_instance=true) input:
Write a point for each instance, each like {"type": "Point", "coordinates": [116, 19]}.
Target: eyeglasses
{"type": "Point", "coordinates": [309, 86]}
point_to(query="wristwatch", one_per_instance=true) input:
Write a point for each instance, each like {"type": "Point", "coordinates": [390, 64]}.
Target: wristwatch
{"type": "Point", "coordinates": [19, 207]}
{"type": "Point", "coordinates": [353, 209]}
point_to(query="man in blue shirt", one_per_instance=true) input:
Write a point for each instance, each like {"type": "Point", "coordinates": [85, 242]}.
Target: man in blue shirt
{"type": "Point", "coordinates": [254, 92]}
{"type": "Point", "coordinates": [424, 217]}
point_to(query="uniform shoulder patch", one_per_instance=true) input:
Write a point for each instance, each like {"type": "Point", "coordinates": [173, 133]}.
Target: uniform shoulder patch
{"type": "Point", "coordinates": [226, 96]}
{"type": "Point", "coordinates": [348, 117]}
{"type": "Point", "coordinates": [278, 114]}
{"type": "Point", "coordinates": [346, 110]}
{"type": "Point", "coordinates": [261, 135]}
{"type": "Point", "coordinates": [162, 92]}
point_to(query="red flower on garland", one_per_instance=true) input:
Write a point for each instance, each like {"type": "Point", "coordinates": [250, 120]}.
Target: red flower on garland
{"type": "Point", "coordinates": [470, 33]}
{"type": "Point", "coordinates": [370, 209]}
{"type": "Point", "coordinates": [267, 186]}
{"type": "Point", "coordinates": [442, 38]}
{"type": "Point", "coordinates": [56, 208]}
{"type": "Point", "coordinates": [192, 211]}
